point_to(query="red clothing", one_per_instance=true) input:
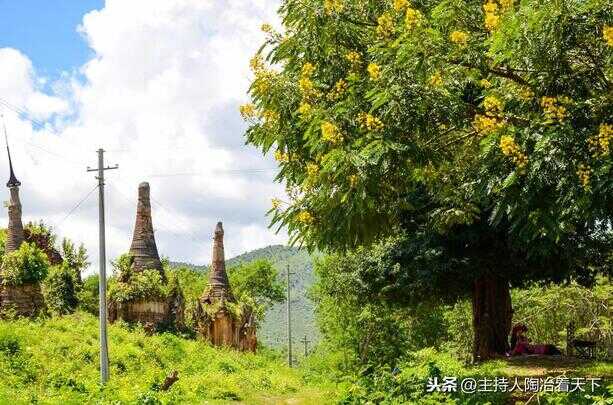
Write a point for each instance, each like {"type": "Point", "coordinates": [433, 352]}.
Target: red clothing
{"type": "Point", "coordinates": [526, 348]}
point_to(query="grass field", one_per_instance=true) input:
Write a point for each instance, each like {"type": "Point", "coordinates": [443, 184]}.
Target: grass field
{"type": "Point", "coordinates": [56, 361]}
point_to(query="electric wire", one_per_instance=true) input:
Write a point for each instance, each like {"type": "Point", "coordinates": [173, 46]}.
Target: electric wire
{"type": "Point", "coordinates": [76, 206]}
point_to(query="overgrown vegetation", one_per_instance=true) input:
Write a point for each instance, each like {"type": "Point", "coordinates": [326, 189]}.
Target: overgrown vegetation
{"type": "Point", "coordinates": [56, 361]}
{"type": "Point", "coordinates": [60, 290]}
{"type": "Point", "coordinates": [26, 265]}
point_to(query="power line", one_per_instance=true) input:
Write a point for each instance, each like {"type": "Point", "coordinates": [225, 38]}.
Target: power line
{"type": "Point", "coordinates": [238, 171]}
{"type": "Point", "coordinates": [76, 206]}
{"type": "Point", "coordinates": [24, 113]}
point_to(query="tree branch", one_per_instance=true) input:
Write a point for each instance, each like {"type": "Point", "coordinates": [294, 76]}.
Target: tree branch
{"type": "Point", "coordinates": [507, 73]}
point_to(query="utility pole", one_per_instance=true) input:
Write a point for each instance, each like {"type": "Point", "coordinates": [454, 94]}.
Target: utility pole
{"type": "Point", "coordinates": [289, 319]}
{"type": "Point", "coordinates": [104, 349]}
{"type": "Point", "coordinates": [306, 345]}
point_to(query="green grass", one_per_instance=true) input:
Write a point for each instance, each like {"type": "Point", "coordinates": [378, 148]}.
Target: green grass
{"type": "Point", "coordinates": [56, 361]}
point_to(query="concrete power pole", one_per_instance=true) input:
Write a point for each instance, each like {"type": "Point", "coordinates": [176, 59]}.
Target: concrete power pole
{"type": "Point", "coordinates": [104, 350]}
{"type": "Point", "coordinates": [289, 320]}
{"type": "Point", "coordinates": [306, 342]}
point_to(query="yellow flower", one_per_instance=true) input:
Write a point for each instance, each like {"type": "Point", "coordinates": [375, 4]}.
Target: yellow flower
{"type": "Point", "coordinates": [492, 17]}
{"type": "Point", "coordinates": [511, 149]}
{"type": "Point", "coordinates": [600, 144]}
{"type": "Point", "coordinates": [281, 157]}
{"type": "Point", "coordinates": [247, 111]}
{"type": "Point", "coordinates": [485, 83]}
{"type": "Point", "coordinates": [270, 117]}
{"type": "Point", "coordinates": [436, 79]}
{"type": "Point", "coordinates": [492, 105]}
{"type": "Point", "coordinates": [263, 80]}
{"type": "Point", "coordinates": [490, 7]}
{"type": "Point", "coordinates": [307, 69]}
{"type": "Point", "coordinates": [374, 71]}
{"type": "Point", "coordinates": [330, 133]}
{"type": "Point", "coordinates": [486, 125]}
{"type": "Point", "coordinates": [276, 203]}
{"type": "Point", "coordinates": [400, 5]}
{"type": "Point", "coordinates": [385, 26]}
{"type": "Point", "coordinates": [312, 169]}
{"type": "Point", "coordinates": [459, 37]}
{"type": "Point", "coordinates": [256, 63]}
{"type": "Point", "coordinates": [584, 172]}
{"type": "Point", "coordinates": [267, 28]}
{"type": "Point", "coordinates": [412, 18]}
{"type": "Point", "coordinates": [370, 122]}
{"type": "Point", "coordinates": [305, 109]}
{"type": "Point", "coordinates": [553, 109]}
{"type": "Point", "coordinates": [491, 21]}
{"type": "Point", "coordinates": [526, 94]}
{"type": "Point", "coordinates": [353, 57]}
{"type": "Point", "coordinates": [353, 180]}
{"type": "Point", "coordinates": [306, 85]}
{"type": "Point", "coordinates": [338, 90]}
{"type": "Point", "coordinates": [305, 217]}
{"type": "Point", "coordinates": [333, 6]}
{"type": "Point", "coordinates": [505, 4]}
{"type": "Point", "coordinates": [607, 34]}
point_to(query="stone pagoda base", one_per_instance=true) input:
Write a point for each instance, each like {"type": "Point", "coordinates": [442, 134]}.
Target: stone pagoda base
{"type": "Point", "coordinates": [25, 300]}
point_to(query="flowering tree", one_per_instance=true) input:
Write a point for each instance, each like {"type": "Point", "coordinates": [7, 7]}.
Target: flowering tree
{"type": "Point", "coordinates": [456, 118]}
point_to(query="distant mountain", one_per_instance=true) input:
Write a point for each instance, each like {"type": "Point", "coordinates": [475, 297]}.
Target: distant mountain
{"type": "Point", "coordinates": [273, 330]}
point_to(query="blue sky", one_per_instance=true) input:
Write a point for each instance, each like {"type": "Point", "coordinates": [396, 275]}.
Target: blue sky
{"type": "Point", "coordinates": [46, 31]}
{"type": "Point", "coordinates": [161, 76]}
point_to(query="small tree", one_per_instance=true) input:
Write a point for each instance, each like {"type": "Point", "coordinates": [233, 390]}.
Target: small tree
{"type": "Point", "coordinates": [60, 291]}
{"type": "Point", "coordinates": [75, 258]}
{"type": "Point", "coordinates": [88, 294]}
{"type": "Point", "coordinates": [259, 281]}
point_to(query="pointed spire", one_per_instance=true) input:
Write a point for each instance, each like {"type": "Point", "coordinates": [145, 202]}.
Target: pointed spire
{"type": "Point", "coordinates": [143, 249]}
{"type": "Point", "coordinates": [13, 182]}
{"type": "Point", "coordinates": [218, 278]}
{"type": "Point", "coordinates": [14, 233]}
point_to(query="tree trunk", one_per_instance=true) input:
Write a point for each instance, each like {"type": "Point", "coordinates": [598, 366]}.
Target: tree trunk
{"type": "Point", "coordinates": [492, 316]}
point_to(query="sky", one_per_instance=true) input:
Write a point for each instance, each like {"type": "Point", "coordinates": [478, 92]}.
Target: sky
{"type": "Point", "coordinates": [157, 84]}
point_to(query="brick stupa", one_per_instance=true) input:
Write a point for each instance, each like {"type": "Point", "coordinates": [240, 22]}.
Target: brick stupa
{"type": "Point", "coordinates": [25, 299]}
{"type": "Point", "coordinates": [143, 249]}
{"type": "Point", "coordinates": [154, 312]}
{"type": "Point", "coordinates": [215, 323]}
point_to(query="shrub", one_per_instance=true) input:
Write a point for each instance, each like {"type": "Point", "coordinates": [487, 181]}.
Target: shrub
{"type": "Point", "coordinates": [88, 294]}
{"type": "Point", "coordinates": [59, 290]}
{"type": "Point", "coordinates": [141, 285]}
{"type": "Point", "coordinates": [26, 265]}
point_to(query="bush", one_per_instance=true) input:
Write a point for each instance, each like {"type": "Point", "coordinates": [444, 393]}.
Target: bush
{"type": "Point", "coordinates": [26, 265]}
{"type": "Point", "coordinates": [59, 290]}
{"type": "Point", "coordinates": [88, 295]}
{"type": "Point", "coordinates": [141, 285]}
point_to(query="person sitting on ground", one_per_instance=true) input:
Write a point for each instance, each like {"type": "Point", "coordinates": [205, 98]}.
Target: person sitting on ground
{"type": "Point", "coordinates": [520, 344]}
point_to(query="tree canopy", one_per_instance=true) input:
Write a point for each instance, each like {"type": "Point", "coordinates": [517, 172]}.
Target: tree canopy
{"type": "Point", "coordinates": [383, 113]}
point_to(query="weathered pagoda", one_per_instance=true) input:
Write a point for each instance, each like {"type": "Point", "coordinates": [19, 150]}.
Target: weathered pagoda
{"type": "Point", "coordinates": [25, 299]}
{"type": "Point", "coordinates": [215, 321]}
{"type": "Point", "coordinates": [155, 311]}
{"type": "Point", "coordinates": [143, 250]}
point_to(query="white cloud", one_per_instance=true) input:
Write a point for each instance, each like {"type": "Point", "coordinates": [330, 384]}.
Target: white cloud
{"type": "Point", "coordinates": [161, 95]}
